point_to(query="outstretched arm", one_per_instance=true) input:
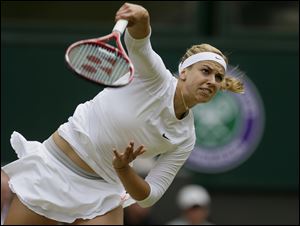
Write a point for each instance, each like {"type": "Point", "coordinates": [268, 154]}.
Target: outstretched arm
{"type": "Point", "coordinates": [136, 186]}
{"type": "Point", "coordinates": [138, 19]}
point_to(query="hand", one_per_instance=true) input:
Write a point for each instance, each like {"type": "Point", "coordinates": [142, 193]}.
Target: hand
{"type": "Point", "coordinates": [121, 160]}
{"type": "Point", "coordinates": [133, 13]}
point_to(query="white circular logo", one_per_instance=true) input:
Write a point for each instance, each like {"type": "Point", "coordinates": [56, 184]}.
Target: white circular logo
{"type": "Point", "coordinates": [228, 130]}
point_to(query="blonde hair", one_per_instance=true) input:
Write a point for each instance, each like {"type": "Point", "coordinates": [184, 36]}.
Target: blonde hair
{"type": "Point", "coordinates": [229, 83]}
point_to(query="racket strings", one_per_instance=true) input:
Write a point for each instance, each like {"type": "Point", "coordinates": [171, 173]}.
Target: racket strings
{"type": "Point", "coordinates": [98, 63]}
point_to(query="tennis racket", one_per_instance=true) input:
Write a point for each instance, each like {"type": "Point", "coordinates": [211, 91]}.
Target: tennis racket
{"type": "Point", "coordinates": [100, 62]}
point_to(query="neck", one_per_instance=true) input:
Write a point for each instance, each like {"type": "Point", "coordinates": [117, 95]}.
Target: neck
{"type": "Point", "coordinates": [183, 100]}
{"type": "Point", "coordinates": [180, 106]}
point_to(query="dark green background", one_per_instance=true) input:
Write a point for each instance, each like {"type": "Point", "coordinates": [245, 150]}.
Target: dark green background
{"type": "Point", "coordinates": [38, 93]}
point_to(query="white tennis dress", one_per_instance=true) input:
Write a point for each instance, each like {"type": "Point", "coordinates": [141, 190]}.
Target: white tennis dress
{"type": "Point", "coordinates": [142, 112]}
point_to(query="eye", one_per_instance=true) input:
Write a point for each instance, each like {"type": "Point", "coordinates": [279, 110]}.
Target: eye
{"type": "Point", "coordinates": [205, 71]}
{"type": "Point", "coordinates": [219, 78]}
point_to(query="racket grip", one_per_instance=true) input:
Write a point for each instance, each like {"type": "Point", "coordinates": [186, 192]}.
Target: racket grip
{"type": "Point", "coordinates": [120, 26]}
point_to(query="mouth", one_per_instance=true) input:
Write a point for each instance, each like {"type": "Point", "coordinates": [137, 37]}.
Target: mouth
{"type": "Point", "coordinates": [206, 91]}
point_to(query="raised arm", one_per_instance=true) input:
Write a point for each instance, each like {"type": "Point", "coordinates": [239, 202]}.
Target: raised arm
{"type": "Point", "coordinates": [147, 63]}
{"type": "Point", "coordinates": [138, 20]}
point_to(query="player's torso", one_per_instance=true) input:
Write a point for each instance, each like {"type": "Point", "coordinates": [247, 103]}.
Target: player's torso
{"type": "Point", "coordinates": [133, 113]}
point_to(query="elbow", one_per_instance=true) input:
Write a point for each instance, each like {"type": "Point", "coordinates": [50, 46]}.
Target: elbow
{"type": "Point", "coordinates": [151, 199]}
{"type": "Point", "coordinates": [146, 203]}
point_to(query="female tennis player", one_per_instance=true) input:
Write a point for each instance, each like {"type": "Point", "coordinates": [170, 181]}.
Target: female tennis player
{"type": "Point", "coordinates": [83, 173]}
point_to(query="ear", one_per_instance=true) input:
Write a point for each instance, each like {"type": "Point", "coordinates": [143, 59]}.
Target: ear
{"type": "Point", "coordinates": [183, 75]}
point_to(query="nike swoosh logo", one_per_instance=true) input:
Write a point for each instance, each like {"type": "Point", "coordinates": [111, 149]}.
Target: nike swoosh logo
{"type": "Point", "coordinates": [164, 136]}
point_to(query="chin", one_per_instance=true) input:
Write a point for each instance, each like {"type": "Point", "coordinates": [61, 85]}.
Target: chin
{"type": "Point", "coordinates": [206, 100]}
{"type": "Point", "coordinates": [203, 99]}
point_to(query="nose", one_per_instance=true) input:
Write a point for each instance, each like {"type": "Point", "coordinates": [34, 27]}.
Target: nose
{"type": "Point", "coordinates": [211, 80]}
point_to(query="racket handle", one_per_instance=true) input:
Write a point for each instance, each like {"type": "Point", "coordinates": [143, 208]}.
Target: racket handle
{"type": "Point", "coordinates": [120, 26]}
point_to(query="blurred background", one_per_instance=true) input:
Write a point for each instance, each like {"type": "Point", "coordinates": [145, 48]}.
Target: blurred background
{"type": "Point", "coordinates": [38, 93]}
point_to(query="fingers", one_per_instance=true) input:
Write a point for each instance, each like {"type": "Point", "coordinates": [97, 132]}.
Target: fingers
{"type": "Point", "coordinates": [117, 154]}
{"type": "Point", "coordinates": [130, 154]}
{"type": "Point", "coordinates": [139, 151]}
{"type": "Point", "coordinates": [131, 12]}
{"type": "Point", "coordinates": [129, 150]}
{"type": "Point", "coordinates": [123, 13]}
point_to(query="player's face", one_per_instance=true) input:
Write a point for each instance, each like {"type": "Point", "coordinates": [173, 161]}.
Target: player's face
{"type": "Point", "coordinates": [203, 80]}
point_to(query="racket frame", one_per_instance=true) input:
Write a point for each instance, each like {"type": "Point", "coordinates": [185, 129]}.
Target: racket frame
{"type": "Point", "coordinates": [102, 42]}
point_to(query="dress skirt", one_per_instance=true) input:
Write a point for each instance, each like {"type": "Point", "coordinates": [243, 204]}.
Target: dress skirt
{"type": "Point", "coordinates": [50, 187]}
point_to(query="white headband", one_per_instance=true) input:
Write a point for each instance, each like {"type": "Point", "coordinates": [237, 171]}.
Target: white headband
{"type": "Point", "coordinates": [201, 57]}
